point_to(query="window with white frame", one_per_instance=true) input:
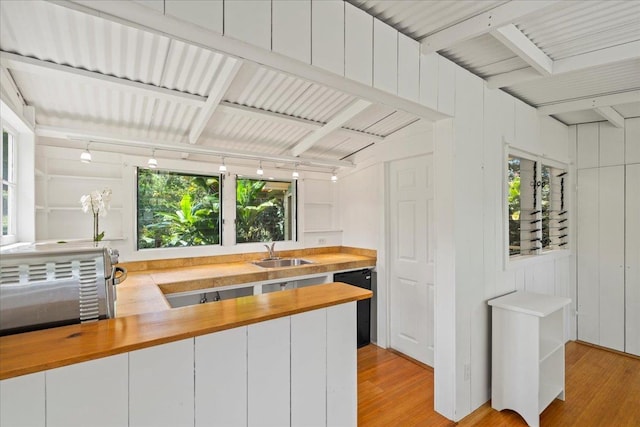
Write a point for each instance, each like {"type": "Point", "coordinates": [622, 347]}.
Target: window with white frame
{"type": "Point", "coordinates": [8, 202]}
{"type": "Point", "coordinates": [536, 205]}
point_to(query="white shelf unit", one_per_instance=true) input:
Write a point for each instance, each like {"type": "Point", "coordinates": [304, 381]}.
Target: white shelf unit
{"type": "Point", "coordinates": [527, 353]}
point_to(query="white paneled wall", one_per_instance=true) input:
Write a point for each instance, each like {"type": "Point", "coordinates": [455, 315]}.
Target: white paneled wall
{"type": "Point", "coordinates": [207, 14]}
{"type": "Point", "coordinates": [327, 35]}
{"type": "Point", "coordinates": [408, 68]}
{"type": "Point", "coordinates": [290, 371]}
{"type": "Point", "coordinates": [385, 57]}
{"type": "Point", "coordinates": [358, 49]}
{"type": "Point", "coordinates": [292, 29]}
{"type": "Point", "coordinates": [248, 21]}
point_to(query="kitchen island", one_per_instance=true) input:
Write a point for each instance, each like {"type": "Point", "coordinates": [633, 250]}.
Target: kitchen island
{"type": "Point", "coordinates": [283, 358]}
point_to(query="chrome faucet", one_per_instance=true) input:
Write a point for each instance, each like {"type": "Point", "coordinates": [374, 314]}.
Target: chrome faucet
{"type": "Point", "coordinates": [272, 254]}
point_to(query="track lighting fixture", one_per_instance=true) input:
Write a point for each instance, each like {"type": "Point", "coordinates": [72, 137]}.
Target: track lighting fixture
{"type": "Point", "coordinates": [152, 163]}
{"type": "Point", "coordinates": [295, 174]}
{"type": "Point", "coordinates": [260, 171]}
{"type": "Point", "coordinates": [85, 156]}
{"type": "Point", "coordinates": [334, 177]}
{"type": "Point", "coordinates": [222, 167]}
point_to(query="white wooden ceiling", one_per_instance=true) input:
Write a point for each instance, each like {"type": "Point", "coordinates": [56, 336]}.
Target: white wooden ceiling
{"type": "Point", "coordinates": [592, 48]}
{"type": "Point", "coordinates": [90, 76]}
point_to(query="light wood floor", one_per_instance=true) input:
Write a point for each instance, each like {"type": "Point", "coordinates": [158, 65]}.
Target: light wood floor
{"type": "Point", "coordinates": [602, 389]}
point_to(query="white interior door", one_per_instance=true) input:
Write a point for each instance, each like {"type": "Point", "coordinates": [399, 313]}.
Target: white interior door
{"type": "Point", "coordinates": [411, 290]}
{"type": "Point", "coordinates": [632, 260]}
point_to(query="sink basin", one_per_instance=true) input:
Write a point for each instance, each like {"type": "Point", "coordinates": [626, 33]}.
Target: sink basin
{"type": "Point", "coordinates": [285, 262]}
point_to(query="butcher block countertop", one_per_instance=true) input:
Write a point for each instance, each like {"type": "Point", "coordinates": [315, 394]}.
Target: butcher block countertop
{"type": "Point", "coordinates": [145, 318]}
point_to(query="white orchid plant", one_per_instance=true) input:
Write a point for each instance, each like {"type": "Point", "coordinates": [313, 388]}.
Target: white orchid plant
{"type": "Point", "coordinates": [98, 203]}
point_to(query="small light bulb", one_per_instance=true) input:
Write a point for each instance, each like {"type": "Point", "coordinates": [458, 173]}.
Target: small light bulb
{"type": "Point", "coordinates": [222, 167]}
{"type": "Point", "coordinates": [260, 172]}
{"type": "Point", "coordinates": [85, 157]}
{"type": "Point", "coordinates": [295, 174]}
{"type": "Point", "coordinates": [152, 163]}
{"type": "Point", "coordinates": [334, 177]}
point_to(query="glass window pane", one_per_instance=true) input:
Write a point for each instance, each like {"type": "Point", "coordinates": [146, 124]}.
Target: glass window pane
{"type": "Point", "coordinates": [5, 210]}
{"type": "Point", "coordinates": [554, 212]}
{"type": "Point", "coordinates": [513, 200]}
{"type": "Point", "coordinates": [5, 155]}
{"type": "Point", "coordinates": [177, 209]}
{"type": "Point", "coordinates": [523, 212]}
{"type": "Point", "coordinates": [265, 210]}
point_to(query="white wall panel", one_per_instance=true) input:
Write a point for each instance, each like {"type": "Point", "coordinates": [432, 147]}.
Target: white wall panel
{"type": "Point", "coordinates": [249, 21]}
{"type": "Point", "coordinates": [342, 372]}
{"type": "Point", "coordinates": [327, 35]}
{"type": "Point", "coordinates": [611, 145]}
{"type": "Point", "coordinates": [207, 14]}
{"type": "Point", "coordinates": [527, 135]}
{"type": "Point", "coordinates": [22, 401]}
{"type": "Point", "coordinates": [161, 385]}
{"type": "Point", "coordinates": [408, 68]}
{"type": "Point", "coordinates": [221, 378]}
{"type": "Point", "coordinates": [446, 86]}
{"type": "Point", "coordinates": [309, 368]}
{"type": "Point", "coordinates": [632, 259]}
{"type": "Point", "coordinates": [77, 395]}
{"type": "Point", "coordinates": [553, 137]}
{"type": "Point", "coordinates": [611, 257]}
{"type": "Point", "coordinates": [157, 5]}
{"type": "Point", "coordinates": [587, 145]}
{"type": "Point", "coordinates": [358, 55]}
{"type": "Point", "coordinates": [269, 373]}
{"type": "Point", "coordinates": [429, 80]}
{"type": "Point", "coordinates": [632, 140]}
{"type": "Point", "coordinates": [385, 57]}
{"type": "Point", "coordinates": [292, 29]}
{"type": "Point", "coordinates": [588, 255]}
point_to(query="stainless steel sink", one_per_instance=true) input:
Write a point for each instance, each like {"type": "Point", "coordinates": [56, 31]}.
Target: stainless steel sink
{"type": "Point", "coordinates": [284, 262]}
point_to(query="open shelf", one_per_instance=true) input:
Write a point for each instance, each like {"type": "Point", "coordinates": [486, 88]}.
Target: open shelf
{"type": "Point", "coordinates": [548, 347]}
{"type": "Point", "coordinates": [547, 394]}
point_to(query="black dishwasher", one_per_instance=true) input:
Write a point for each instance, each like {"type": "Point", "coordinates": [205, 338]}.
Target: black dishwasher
{"type": "Point", "coordinates": [361, 279]}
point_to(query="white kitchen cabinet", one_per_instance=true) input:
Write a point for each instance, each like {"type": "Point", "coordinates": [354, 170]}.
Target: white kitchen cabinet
{"type": "Point", "coordinates": [632, 258]}
{"type": "Point", "coordinates": [77, 394]}
{"type": "Point", "coordinates": [385, 57]}
{"type": "Point", "coordinates": [221, 378]}
{"type": "Point", "coordinates": [268, 373]}
{"type": "Point", "coordinates": [309, 369]}
{"type": "Point", "coordinates": [342, 373]}
{"type": "Point", "coordinates": [292, 29]}
{"type": "Point", "coordinates": [161, 385]}
{"type": "Point", "coordinates": [206, 14]}
{"type": "Point", "coordinates": [527, 371]}
{"type": "Point", "coordinates": [22, 401]}
{"type": "Point", "coordinates": [358, 49]}
{"type": "Point", "coordinates": [327, 35]}
{"type": "Point", "coordinates": [408, 68]}
{"type": "Point", "coordinates": [248, 21]}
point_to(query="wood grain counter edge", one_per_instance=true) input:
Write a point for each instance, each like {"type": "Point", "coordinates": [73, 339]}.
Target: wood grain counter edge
{"type": "Point", "coordinates": [52, 348]}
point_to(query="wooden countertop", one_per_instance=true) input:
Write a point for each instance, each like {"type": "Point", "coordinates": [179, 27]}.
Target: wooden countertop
{"type": "Point", "coordinates": [51, 348]}
{"type": "Point", "coordinates": [143, 291]}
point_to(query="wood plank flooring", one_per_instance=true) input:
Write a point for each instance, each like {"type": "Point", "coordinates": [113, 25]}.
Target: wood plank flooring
{"type": "Point", "coordinates": [602, 389]}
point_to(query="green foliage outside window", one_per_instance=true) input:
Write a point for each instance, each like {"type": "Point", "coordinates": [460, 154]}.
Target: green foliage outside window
{"type": "Point", "coordinates": [513, 175]}
{"type": "Point", "coordinates": [177, 209]}
{"type": "Point", "coordinates": [264, 210]}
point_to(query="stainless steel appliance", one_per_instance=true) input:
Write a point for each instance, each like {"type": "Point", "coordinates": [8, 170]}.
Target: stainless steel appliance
{"type": "Point", "coordinates": [43, 286]}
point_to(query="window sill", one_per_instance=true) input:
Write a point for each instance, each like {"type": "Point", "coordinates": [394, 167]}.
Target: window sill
{"type": "Point", "coordinates": [514, 263]}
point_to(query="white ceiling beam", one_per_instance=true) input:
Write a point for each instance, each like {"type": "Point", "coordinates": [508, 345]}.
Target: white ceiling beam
{"type": "Point", "coordinates": [590, 103]}
{"type": "Point", "coordinates": [512, 78]}
{"type": "Point", "coordinates": [220, 85]}
{"type": "Point", "coordinates": [108, 138]}
{"type": "Point", "coordinates": [335, 123]}
{"type": "Point", "coordinates": [497, 17]}
{"type": "Point", "coordinates": [611, 115]}
{"type": "Point", "coordinates": [520, 44]}
{"type": "Point", "coordinates": [610, 55]}
{"type": "Point", "coordinates": [260, 114]}
{"type": "Point", "coordinates": [39, 67]}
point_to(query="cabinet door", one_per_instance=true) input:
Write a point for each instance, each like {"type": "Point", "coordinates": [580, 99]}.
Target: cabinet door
{"type": "Point", "coordinates": [221, 378]}
{"type": "Point", "coordinates": [22, 401]}
{"type": "Point", "coordinates": [588, 256]}
{"type": "Point", "coordinates": [161, 385]}
{"type": "Point", "coordinates": [309, 369]}
{"type": "Point", "coordinates": [611, 257]}
{"type": "Point", "coordinates": [632, 254]}
{"type": "Point", "coordinates": [342, 394]}
{"type": "Point", "coordinates": [268, 373]}
{"type": "Point", "coordinates": [77, 394]}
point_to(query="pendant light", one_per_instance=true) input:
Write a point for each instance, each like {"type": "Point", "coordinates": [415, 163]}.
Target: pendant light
{"type": "Point", "coordinates": [85, 156]}
{"type": "Point", "coordinates": [222, 167]}
{"type": "Point", "coordinates": [295, 174]}
{"type": "Point", "coordinates": [152, 163]}
{"type": "Point", "coordinates": [334, 177]}
{"type": "Point", "coordinates": [260, 171]}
